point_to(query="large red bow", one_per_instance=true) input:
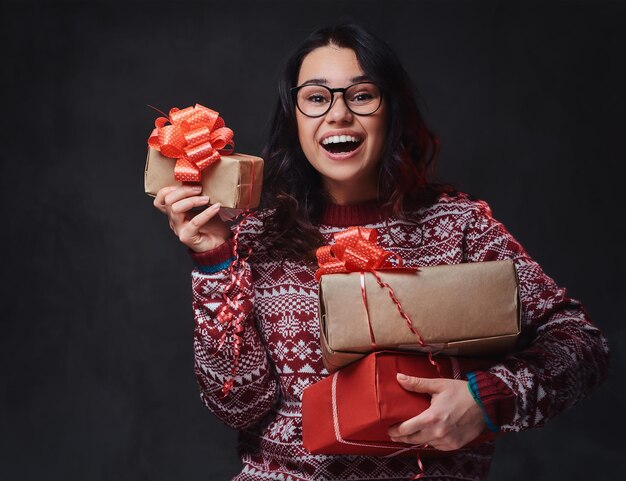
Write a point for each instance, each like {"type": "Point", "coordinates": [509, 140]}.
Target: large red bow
{"type": "Point", "coordinates": [196, 137]}
{"type": "Point", "coordinates": [354, 250]}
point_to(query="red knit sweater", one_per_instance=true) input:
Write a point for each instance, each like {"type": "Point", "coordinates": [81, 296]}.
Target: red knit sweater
{"type": "Point", "coordinates": [564, 358]}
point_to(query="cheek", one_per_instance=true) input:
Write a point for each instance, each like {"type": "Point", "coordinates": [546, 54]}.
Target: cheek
{"type": "Point", "coordinates": [306, 134]}
{"type": "Point", "coordinates": [378, 133]}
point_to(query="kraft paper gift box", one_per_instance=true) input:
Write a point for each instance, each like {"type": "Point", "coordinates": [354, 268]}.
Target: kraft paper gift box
{"type": "Point", "coordinates": [467, 309]}
{"type": "Point", "coordinates": [234, 181]}
{"type": "Point", "coordinates": [350, 411]}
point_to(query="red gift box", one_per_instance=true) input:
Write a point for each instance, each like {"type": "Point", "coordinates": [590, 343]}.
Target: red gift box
{"type": "Point", "coordinates": [350, 411]}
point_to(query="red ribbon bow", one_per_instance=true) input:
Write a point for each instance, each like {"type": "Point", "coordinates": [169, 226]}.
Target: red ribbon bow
{"type": "Point", "coordinates": [196, 137]}
{"type": "Point", "coordinates": [354, 250]}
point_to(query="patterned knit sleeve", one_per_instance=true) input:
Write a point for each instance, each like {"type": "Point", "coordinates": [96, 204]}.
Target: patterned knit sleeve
{"type": "Point", "coordinates": [218, 309]}
{"type": "Point", "coordinates": [562, 357]}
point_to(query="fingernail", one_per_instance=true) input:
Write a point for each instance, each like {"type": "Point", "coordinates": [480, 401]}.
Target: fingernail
{"type": "Point", "coordinates": [402, 377]}
{"type": "Point", "coordinates": [204, 198]}
{"type": "Point", "coordinates": [197, 187]}
{"type": "Point", "coordinates": [216, 206]}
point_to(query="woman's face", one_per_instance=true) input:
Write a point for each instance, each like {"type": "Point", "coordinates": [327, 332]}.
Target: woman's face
{"type": "Point", "coordinates": [349, 169]}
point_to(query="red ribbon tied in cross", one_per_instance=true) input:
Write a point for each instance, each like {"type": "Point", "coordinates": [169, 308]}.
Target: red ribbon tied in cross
{"type": "Point", "coordinates": [354, 250]}
{"type": "Point", "coordinates": [195, 137]}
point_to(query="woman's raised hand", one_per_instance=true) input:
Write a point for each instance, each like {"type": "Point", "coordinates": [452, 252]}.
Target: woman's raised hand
{"type": "Point", "coordinates": [200, 232]}
{"type": "Point", "coordinates": [453, 419]}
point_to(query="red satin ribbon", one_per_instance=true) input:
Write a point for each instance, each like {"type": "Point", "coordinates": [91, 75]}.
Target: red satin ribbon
{"type": "Point", "coordinates": [354, 250]}
{"type": "Point", "coordinates": [196, 137]}
{"type": "Point", "coordinates": [251, 184]}
{"type": "Point", "coordinates": [233, 314]}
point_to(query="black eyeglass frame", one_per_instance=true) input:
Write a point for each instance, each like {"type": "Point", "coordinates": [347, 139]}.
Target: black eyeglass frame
{"type": "Point", "coordinates": [294, 91]}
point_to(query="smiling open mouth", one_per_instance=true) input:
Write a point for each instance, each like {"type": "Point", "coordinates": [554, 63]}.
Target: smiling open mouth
{"type": "Point", "coordinates": [338, 144]}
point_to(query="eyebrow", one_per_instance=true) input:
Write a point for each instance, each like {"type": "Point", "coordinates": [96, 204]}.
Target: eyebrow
{"type": "Point", "coordinates": [323, 81]}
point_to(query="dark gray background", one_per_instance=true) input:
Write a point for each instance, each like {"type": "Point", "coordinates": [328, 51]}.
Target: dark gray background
{"type": "Point", "coordinates": [96, 377]}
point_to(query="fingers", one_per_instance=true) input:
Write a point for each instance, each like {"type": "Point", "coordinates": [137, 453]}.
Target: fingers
{"type": "Point", "coordinates": [200, 232]}
{"type": "Point", "coordinates": [452, 420]}
{"type": "Point", "coordinates": [205, 216]}
{"type": "Point", "coordinates": [178, 201]}
{"type": "Point", "coordinates": [412, 430]}
{"type": "Point", "coordinates": [423, 439]}
{"type": "Point", "coordinates": [415, 439]}
{"type": "Point", "coordinates": [185, 205]}
{"type": "Point", "coordinates": [425, 429]}
{"type": "Point", "coordinates": [167, 196]}
{"type": "Point", "coordinates": [159, 199]}
{"type": "Point", "coordinates": [417, 424]}
{"type": "Point", "coordinates": [180, 193]}
{"type": "Point", "coordinates": [205, 231]}
{"type": "Point", "coordinates": [419, 384]}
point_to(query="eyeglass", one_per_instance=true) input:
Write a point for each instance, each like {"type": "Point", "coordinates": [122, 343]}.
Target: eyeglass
{"type": "Point", "coordinates": [314, 100]}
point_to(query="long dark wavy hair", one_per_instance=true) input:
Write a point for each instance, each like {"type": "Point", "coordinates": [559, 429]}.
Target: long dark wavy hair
{"type": "Point", "coordinates": [294, 189]}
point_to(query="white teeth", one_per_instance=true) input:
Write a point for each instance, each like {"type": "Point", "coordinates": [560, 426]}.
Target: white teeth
{"type": "Point", "coordinates": [338, 139]}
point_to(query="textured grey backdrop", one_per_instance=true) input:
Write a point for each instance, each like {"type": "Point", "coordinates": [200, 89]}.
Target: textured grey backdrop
{"type": "Point", "coordinates": [96, 376]}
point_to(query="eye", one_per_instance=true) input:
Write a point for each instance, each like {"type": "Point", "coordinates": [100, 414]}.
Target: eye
{"type": "Point", "coordinates": [317, 98]}
{"type": "Point", "coordinates": [362, 94]}
{"type": "Point", "coordinates": [362, 97]}
{"type": "Point", "coordinates": [314, 95]}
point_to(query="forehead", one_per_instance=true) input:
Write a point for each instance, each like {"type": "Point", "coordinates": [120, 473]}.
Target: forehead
{"type": "Point", "coordinates": [331, 65]}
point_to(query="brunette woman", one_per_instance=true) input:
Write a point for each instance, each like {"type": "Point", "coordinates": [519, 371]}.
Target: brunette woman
{"type": "Point", "coordinates": [348, 146]}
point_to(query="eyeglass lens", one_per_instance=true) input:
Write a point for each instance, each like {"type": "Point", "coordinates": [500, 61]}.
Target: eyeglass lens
{"type": "Point", "coordinates": [316, 100]}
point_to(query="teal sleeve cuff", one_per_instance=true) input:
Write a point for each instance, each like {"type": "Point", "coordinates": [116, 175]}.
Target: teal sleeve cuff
{"type": "Point", "coordinates": [473, 389]}
{"type": "Point", "coordinates": [215, 267]}
{"type": "Point", "coordinates": [220, 255]}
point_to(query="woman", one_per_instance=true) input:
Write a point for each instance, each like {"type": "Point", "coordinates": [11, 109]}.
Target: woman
{"type": "Point", "coordinates": [348, 146]}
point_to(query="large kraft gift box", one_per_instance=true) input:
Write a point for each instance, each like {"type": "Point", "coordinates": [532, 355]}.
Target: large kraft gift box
{"type": "Point", "coordinates": [467, 309]}
{"type": "Point", "coordinates": [350, 411]}
{"type": "Point", "coordinates": [234, 181]}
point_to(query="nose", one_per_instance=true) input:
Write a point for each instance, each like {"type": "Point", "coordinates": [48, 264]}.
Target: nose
{"type": "Point", "coordinates": [339, 111]}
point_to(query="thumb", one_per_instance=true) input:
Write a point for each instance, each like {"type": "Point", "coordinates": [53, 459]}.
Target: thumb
{"type": "Point", "coordinates": [418, 384]}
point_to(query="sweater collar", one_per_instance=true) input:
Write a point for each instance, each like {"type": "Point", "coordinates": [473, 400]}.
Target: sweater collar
{"type": "Point", "coordinates": [368, 212]}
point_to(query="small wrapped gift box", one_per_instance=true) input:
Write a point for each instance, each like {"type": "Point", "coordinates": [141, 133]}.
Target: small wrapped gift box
{"type": "Point", "coordinates": [464, 309]}
{"type": "Point", "coordinates": [350, 411]}
{"type": "Point", "coordinates": [194, 145]}
{"type": "Point", "coordinates": [234, 181]}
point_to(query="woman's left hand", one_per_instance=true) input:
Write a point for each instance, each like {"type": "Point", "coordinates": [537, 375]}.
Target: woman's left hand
{"type": "Point", "coordinates": [452, 420]}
